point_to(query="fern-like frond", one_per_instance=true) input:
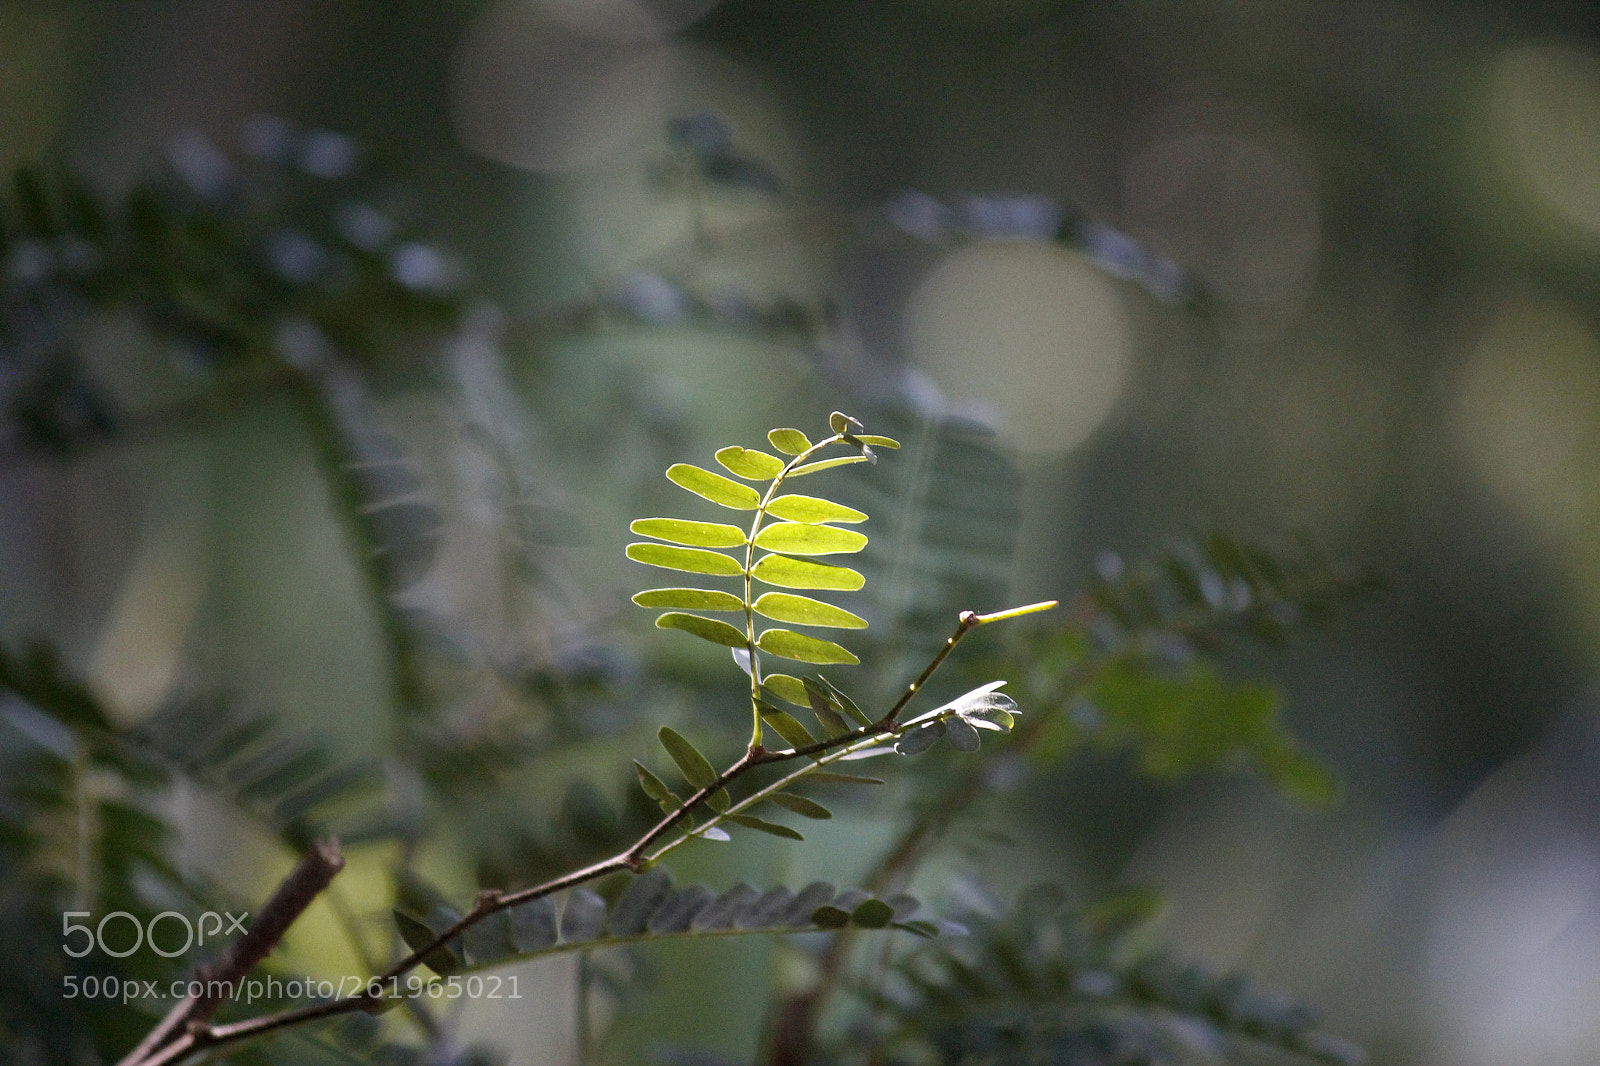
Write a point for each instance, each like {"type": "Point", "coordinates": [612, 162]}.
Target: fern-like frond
{"type": "Point", "coordinates": [1046, 983]}
{"type": "Point", "coordinates": [651, 909]}
{"type": "Point", "coordinates": [806, 527]}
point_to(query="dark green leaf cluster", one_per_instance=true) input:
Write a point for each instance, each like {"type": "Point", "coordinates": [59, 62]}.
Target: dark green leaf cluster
{"type": "Point", "coordinates": [650, 909]}
{"type": "Point", "coordinates": [243, 266]}
{"type": "Point", "coordinates": [1045, 983]}
{"type": "Point", "coordinates": [1216, 585]}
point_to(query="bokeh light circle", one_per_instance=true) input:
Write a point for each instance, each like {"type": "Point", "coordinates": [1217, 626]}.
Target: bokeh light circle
{"type": "Point", "coordinates": [1028, 330]}
{"type": "Point", "coordinates": [1546, 112]}
{"type": "Point", "coordinates": [540, 92]}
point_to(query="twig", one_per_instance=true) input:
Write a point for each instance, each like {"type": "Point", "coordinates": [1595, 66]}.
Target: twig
{"type": "Point", "coordinates": [313, 873]}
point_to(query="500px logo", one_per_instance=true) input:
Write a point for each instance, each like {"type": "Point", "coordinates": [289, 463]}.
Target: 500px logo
{"type": "Point", "coordinates": [194, 933]}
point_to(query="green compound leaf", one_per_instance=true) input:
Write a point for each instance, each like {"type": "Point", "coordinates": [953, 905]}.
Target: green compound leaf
{"type": "Point", "coordinates": [441, 960]}
{"type": "Point", "coordinates": [801, 574]}
{"type": "Point", "coordinates": [787, 644]}
{"type": "Point", "coordinates": [813, 509]}
{"type": "Point", "coordinates": [751, 822]}
{"type": "Point", "coordinates": [694, 560]}
{"type": "Point", "coordinates": [800, 805]}
{"type": "Point", "coordinates": [714, 487]}
{"type": "Point", "coordinates": [786, 726]}
{"type": "Point", "coordinates": [683, 531]}
{"type": "Point", "coordinates": [827, 464]}
{"type": "Point", "coordinates": [653, 786]}
{"type": "Point", "coordinates": [789, 689]}
{"type": "Point", "coordinates": [789, 441]}
{"type": "Point", "coordinates": [805, 611]}
{"type": "Point", "coordinates": [750, 464]}
{"type": "Point", "coordinates": [695, 767]}
{"type": "Point", "coordinates": [704, 628]}
{"type": "Point", "coordinates": [802, 538]}
{"type": "Point", "coordinates": [689, 600]}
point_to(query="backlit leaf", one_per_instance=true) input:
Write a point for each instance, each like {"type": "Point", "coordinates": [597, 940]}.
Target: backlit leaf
{"type": "Point", "coordinates": [788, 644]}
{"type": "Point", "coordinates": [803, 574]}
{"type": "Point", "coordinates": [803, 538]}
{"type": "Point", "coordinates": [714, 487]}
{"type": "Point", "coordinates": [694, 560]}
{"type": "Point", "coordinates": [801, 805]}
{"type": "Point", "coordinates": [696, 769]}
{"type": "Point", "coordinates": [751, 822]}
{"type": "Point", "coordinates": [789, 441]}
{"type": "Point", "coordinates": [805, 611]}
{"type": "Point", "coordinates": [689, 600]}
{"type": "Point", "coordinates": [877, 441]}
{"type": "Point", "coordinates": [797, 508]}
{"type": "Point", "coordinates": [704, 628]}
{"type": "Point", "coordinates": [790, 689]}
{"type": "Point", "coordinates": [827, 464]}
{"type": "Point", "coordinates": [683, 531]}
{"type": "Point", "coordinates": [840, 422]}
{"type": "Point", "coordinates": [751, 464]}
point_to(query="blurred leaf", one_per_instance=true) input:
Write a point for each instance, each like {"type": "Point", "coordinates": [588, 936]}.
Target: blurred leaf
{"type": "Point", "coordinates": [418, 936]}
{"type": "Point", "coordinates": [584, 917]}
{"type": "Point", "coordinates": [772, 828]}
{"type": "Point", "coordinates": [828, 776]}
{"type": "Point", "coordinates": [801, 805]}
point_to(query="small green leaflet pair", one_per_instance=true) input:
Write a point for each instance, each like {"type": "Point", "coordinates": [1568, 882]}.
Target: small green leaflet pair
{"type": "Point", "coordinates": [789, 529]}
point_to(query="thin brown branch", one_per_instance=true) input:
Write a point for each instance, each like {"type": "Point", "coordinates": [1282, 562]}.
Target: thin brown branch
{"type": "Point", "coordinates": [197, 1035]}
{"type": "Point", "coordinates": [310, 876]}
